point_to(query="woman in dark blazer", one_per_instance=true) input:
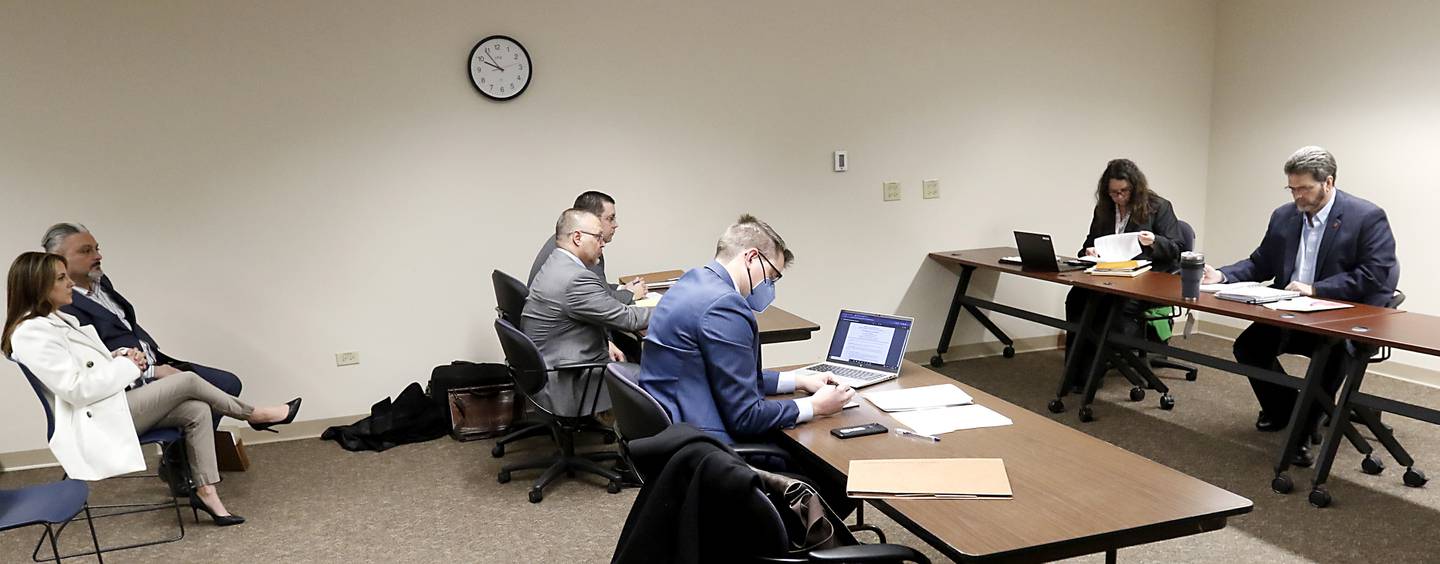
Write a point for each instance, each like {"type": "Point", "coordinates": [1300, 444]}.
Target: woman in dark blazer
{"type": "Point", "coordinates": [1125, 204]}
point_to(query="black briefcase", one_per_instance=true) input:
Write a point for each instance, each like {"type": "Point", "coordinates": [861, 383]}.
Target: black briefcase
{"type": "Point", "coordinates": [478, 398]}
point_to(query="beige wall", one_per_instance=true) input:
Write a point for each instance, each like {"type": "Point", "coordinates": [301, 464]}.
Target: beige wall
{"type": "Point", "coordinates": [273, 182]}
{"type": "Point", "coordinates": [1358, 78]}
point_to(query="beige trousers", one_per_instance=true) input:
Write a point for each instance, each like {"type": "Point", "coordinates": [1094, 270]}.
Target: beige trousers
{"type": "Point", "coordinates": [185, 400]}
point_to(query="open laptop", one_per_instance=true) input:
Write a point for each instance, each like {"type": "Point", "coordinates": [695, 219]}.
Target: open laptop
{"type": "Point", "coordinates": [866, 348]}
{"type": "Point", "coordinates": [1037, 253]}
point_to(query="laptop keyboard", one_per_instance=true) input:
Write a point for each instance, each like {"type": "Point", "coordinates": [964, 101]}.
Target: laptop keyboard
{"type": "Point", "coordinates": [848, 372]}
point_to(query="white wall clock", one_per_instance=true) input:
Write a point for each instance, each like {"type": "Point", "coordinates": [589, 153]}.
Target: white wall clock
{"type": "Point", "coordinates": [500, 67]}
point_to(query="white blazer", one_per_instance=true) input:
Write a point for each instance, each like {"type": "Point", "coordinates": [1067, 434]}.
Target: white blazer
{"type": "Point", "coordinates": [94, 435]}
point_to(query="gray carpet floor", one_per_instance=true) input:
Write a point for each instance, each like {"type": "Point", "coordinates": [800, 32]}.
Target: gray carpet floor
{"type": "Point", "coordinates": [309, 501]}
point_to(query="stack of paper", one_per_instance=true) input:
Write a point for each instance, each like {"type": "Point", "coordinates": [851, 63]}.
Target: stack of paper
{"type": "Point", "coordinates": [1256, 294]}
{"type": "Point", "coordinates": [924, 397]}
{"type": "Point", "coordinates": [1306, 305]}
{"type": "Point", "coordinates": [929, 478]}
{"type": "Point", "coordinates": [1127, 268]}
{"type": "Point", "coordinates": [1212, 288]}
{"type": "Point", "coordinates": [1118, 247]}
{"type": "Point", "coordinates": [651, 299]}
{"type": "Point", "coordinates": [946, 419]}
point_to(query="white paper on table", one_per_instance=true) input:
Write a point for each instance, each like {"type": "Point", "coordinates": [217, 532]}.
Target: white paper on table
{"type": "Point", "coordinates": [1118, 247]}
{"type": "Point", "coordinates": [1212, 288]}
{"type": "Point", "coordinates": [1306, 305]}
{"type": "Point", "coordinates": [946, 419]}
{"type": "Point", "coordinates": [924, 397]}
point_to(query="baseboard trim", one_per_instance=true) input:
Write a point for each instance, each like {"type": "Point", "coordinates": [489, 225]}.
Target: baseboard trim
{"type": "Point", "coordinates": [985, 348]}
{"type": "Point", "coordinates": [41, 458]}
{"type": "Point", "coordinates": [1389, 369]}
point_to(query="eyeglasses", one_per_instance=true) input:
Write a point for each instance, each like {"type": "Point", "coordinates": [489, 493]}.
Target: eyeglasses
{"type": "Point", "coordinates": [766, 262]}
{"type": "Point", "coordinates": [1302, 189]}
{"type": "Point", "coordinates": [1125, 192]}
{"type": "Point", "coordinates": [595, 235]}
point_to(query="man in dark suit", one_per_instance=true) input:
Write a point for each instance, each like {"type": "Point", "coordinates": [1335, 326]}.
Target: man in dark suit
{"type": "Point", "coordinates": [98, 304]}
{"type": "Point", "coordinates": [1328, 244]}
{"type": "Point", "coordinates": [603, 206]}
{"type": "Point", "coordinates": [702, 351]}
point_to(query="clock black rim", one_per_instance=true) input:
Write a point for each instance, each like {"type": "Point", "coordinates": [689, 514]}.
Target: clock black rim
{"type": "Point", "coordinates": [528, 61]}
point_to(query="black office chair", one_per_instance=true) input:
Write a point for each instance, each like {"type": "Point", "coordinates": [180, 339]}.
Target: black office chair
{"type": "Point", "coordinates": [1187, 243]}
{"type": "Point", "coordinates": [762, 536]}
{"type": "Point", "coordinates": [510, 294]}
{"type": "Point", "coordinates": [639, 416]}
{"type": "Point", "coordinates": [160, 436]}
{"type": "Point", "coordinates": [530, 372]}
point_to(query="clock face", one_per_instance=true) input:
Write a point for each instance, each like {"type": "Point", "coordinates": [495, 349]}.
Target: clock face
{"type": "Point", "coordinates": [500, 67]}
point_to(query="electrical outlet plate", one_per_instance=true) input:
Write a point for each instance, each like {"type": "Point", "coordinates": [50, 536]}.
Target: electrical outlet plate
{"type": "Point", "coordinates": [890, 191]}
{"type": "Point", "coordinates": [931, 189]}
{"type": "Point", "coordinates": [347, 358]}
{"type": "Point", "coordinates": [842, 161]}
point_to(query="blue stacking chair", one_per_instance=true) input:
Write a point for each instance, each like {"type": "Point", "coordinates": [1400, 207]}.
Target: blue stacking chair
{"type": "Point", "coordinates": [48, 505]}
{"type": "Point", "coordinates": [159, 436]}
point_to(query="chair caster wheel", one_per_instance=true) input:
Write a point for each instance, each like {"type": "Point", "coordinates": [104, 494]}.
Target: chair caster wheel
{"type": "Point", "coordinates": [498, 451]}
{"type": "Point", "coordinates": [536, 495]}
{"type": "Point", "coordinates": [1009, 352]}
{"type": "Point", "coordinates": [1191, 376]}
{"type": "Point", "coordinates": [1319, 498]}
{"type": "Point", "coordinates": [1167, 402]}
{"type": "Point", "coordinates": [503, 477]}
{"type": "Point", "coordinates": [1055, 406]}
{"type": "Point", "coordinates": [1282, 484]}
{"type": "Point", "coordinates": [1086, 414]}
{"type": "Point", "coordinates": [1372, 465]}
{"type": "Point", "coordinates": [613, 487]}
{"type": "Point", "coordinates": [1137, 394]}
{"type": "Point", "coordinates": [1415, 478]}
{"type": "Point", "coordinates": [936, 361]}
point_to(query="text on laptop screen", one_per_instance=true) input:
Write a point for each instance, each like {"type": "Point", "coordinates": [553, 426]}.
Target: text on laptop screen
{"type": "Point", "coordinates": [869, 341]}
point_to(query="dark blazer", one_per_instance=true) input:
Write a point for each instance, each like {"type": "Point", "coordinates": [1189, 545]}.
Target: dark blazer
{"type": "Point", "coordinates": [1164, 252]}
{"type": "Point", "coordinates": [110, 328]}
{"type": "Point", "coordinates": [1356, 261]}
{"type": "Point", "coordinates": [701, 360]}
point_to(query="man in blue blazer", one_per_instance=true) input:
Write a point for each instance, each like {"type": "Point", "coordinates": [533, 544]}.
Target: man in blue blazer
{"type": "Point", "coordinates": [98, 304]}
{"type": "Point", "coordinates": [1328, 244]}
{"type": "Point", "coordinates": [701, 356]}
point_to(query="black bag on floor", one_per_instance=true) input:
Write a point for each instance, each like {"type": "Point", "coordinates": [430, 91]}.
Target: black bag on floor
{"type": "Point", "coordinates": [478, 400]}
{"type": "Point", "coordinates": [410, 418]}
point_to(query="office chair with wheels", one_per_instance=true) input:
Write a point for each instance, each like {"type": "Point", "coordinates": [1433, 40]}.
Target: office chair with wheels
{"type": "Point", "coordinates": [639, 416]}
{"type": "Point", "coordinates": [1187, 243]}
{"type": "Point", "coordinates": [48, 505]}
{"type": "Point", "coordinates": [530, 372]}
{"type": "Point", "coordinates": [162, 437]}
{"type": "Point", "coordinates": [510, 294]}
{"type": "Point", "coordinates": [1155, 324]}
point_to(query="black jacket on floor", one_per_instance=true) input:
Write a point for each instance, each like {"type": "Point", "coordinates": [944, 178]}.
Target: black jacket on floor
{"type": "Point", "coordinates": [411, 418]}
{"type": "Point", "coordinates": [701, 503]}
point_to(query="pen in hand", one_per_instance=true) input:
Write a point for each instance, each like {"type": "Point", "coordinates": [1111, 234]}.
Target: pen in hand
{"type": "Point", "coordinates": [909, 433]}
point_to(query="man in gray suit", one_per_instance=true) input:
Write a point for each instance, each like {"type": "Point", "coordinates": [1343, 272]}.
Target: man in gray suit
{"type": "Point", "coordinates": [569, 309]}
{"type": "Point", "coordinates": [603, 206]}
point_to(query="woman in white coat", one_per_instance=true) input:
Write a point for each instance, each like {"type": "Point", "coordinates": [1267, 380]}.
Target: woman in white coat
{"type": "Point", "coordinates": [101, 403]}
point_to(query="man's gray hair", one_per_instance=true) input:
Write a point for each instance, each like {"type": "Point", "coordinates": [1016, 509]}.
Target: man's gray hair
{"type": "Point", "coordinates": [748, 232]}
{"type": "Point", "coordinates": [570, 222]}
{"type": "Point", "coordinates": [56, 234]}
{"type": "Point", "coordinates": [1314, 160]}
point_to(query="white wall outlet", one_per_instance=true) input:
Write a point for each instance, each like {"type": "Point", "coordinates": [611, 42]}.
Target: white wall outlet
{"type": "Point", "coordinates": [842, 161]}
{"type": "Point", "coordinates": [930, 189]}
{"type": "Point", "coordinates": [347, 358]}
{"type": "Point", "coordinates": [890, 191]}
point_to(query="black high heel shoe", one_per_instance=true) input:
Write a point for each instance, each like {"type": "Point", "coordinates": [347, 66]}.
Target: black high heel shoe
{"type": "Point", "coordinates": [294, 409]}
{"type": "Point", "coordinates": [197, 505]}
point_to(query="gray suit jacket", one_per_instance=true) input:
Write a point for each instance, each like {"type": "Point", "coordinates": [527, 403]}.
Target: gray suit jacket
{"type": "Point", "coordinates": [566, 314]}
{"type": "Point", "coordinates": [625, 296]}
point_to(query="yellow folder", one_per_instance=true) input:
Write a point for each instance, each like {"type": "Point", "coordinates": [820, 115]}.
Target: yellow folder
{"type": "Point", "coordinates": [929, 478]}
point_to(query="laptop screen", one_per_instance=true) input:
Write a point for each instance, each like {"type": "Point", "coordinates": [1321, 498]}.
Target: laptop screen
{"type": "Point", "coordinates": [870, 340]}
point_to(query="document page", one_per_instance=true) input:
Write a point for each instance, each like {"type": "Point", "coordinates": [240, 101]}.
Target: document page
{"type": "Point", "coordinates": [1303, 304]}
{"type": "Point", "coordinates": [867, 343]}
{"type": "Point", "coordinates": [946, 419]}
{"type": "Point", "coordinates": [924, 397]}
{"type": "Point", "coordinates": [1118, 247]}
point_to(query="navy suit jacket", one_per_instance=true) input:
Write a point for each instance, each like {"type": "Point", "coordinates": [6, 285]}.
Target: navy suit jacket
{"type": "Point", "coordinates": [701, 360]}
{"type": "Point", "coordinates": [1356, 261]}
{"type": "Point", "coordinates": [110, 328]}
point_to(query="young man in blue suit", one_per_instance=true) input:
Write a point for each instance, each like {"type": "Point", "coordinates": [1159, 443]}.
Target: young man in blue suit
{"type": "Point", "coordinates": [99, 305]}
{"type": "Point", "coordinates": [1328, 244]}
{"type": "Point", "coordinates": [702, 350]}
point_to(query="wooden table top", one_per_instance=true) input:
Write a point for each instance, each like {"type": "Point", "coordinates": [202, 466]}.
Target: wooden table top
{"type": "Point", "coordinates": [780, 326]}
{"type": "Point", "coordinates": [1405, 330]}
{"type": "Point", "coordinates": [989, 258]}
{"type": "Point", "coordinates": [1074, 494]}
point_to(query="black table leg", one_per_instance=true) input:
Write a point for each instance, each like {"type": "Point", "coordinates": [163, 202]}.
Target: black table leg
{"type": "Point", "coordinates": [948, 330]}
{"type": "Point", "coordinates": [1009, 351]}
{"type": "Point", "coordinates": [1098, 362]}
{"type": "Point", "coordinates": [1314, 377]}
{"type": "Point", "coordinates": [1092, 304]}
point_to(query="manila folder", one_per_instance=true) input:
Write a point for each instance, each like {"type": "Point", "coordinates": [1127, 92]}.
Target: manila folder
{"type": "Point", "coordinates": [929, 478]}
